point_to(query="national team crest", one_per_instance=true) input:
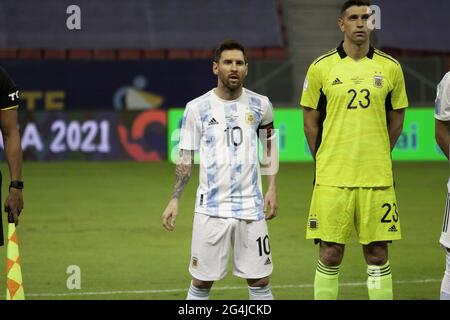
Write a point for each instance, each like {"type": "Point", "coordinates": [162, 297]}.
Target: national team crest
{"type": "Point", "coordinates": [378, 81]}
{"type": "Point", "coordinates": [250, 118]}
{"type": "Point", "coordinates": [313, 223]}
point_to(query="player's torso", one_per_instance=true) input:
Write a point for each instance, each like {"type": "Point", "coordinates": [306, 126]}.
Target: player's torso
{"type": "Point", "coordinates": [356, 93]}
{"type": "Point", "coordinates": [355, 141]}
{"type": "Point", "coordinates": [229, 128]}
{"type": "Point", "coordinates": [229, 166]}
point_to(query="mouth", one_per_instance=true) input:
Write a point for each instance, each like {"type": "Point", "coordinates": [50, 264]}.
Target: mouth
{"type": "Point", "coordinates": [360, 33]}
{"type": "Point", "coordinates": [233, 77]}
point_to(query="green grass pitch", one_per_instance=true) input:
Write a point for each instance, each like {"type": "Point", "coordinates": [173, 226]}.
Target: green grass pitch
{"type": "Point", "coordinates": [105, 218]}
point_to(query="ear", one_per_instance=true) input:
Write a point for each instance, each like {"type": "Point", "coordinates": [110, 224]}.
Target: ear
{"type": "Point", "coordinates": [340, 23]}
{"type": "Point", "coordinates": [215, 68]}
{"type": "Point", "coordinates": [246, 69]}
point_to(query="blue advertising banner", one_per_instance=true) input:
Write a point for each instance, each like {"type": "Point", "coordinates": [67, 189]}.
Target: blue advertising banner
{"type": "Point", "coordinates": [78, 135]}
{"type": "Point", "coordinates": [110, 85]}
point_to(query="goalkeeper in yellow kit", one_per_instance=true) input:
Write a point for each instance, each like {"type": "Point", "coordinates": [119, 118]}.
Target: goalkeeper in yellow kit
{"type": "Point", "coordinates": [354, 102]}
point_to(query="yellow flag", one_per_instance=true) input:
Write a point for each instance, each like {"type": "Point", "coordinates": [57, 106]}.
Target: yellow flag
{"type": "Point", "coordinates": [14, 286]}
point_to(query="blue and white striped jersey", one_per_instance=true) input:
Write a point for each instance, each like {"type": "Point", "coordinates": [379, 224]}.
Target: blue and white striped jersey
{"type": "Point", "coordinates": [442, 102]}
{"type": "Point", "coordinates": [226, 132]}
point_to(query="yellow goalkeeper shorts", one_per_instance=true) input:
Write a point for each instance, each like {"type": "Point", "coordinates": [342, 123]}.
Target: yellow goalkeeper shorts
{"type": "Point", "coordinates": [335, 210]}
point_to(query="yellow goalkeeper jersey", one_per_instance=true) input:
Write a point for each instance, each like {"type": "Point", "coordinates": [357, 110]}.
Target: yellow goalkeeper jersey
{"type": "Point", "coordinates": [354, 97]}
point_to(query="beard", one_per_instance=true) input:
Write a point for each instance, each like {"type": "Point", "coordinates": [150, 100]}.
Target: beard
{"type": "Point", "coordinates": [231, 84]}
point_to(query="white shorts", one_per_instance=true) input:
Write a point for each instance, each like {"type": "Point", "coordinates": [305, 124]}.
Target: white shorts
{"type": "Point", "coordinates": [445, 234]}
{"type": "Point", "coordinates": [211, 240]}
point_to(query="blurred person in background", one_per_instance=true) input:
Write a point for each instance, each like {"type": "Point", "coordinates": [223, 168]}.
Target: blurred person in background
{"type": "Point", "coordinates": [442, 133]}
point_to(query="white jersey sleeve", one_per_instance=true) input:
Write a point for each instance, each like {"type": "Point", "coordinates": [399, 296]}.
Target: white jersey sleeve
{"type": "Point", "coordinates": [268, 114]}
{"type": "Point", "coordinates": [442, 103]}
{"type": "Point", "coordinates": [190, 130]}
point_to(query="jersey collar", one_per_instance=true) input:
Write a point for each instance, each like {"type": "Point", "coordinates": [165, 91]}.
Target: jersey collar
{"type": "Point", "coordinates": [342, 53]}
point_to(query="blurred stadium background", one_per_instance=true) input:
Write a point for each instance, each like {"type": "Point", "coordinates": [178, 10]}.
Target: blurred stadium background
{"type": "Point", "coordinates": [98, 117]}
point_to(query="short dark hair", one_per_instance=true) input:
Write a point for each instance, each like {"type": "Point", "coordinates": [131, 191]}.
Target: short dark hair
{"type": "Point", "coordinates": [228, 45]}
{"type": "Point", "coordinates": [350, 3]}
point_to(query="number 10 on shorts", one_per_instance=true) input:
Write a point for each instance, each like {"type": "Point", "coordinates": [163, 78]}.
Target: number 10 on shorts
{"type": "Point", "coordinates": [263, 245]}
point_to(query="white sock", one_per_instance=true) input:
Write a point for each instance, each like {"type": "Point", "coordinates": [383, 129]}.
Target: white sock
{"type": "Point", "coordinates": [445, 286]}
{"type": "Point", "coordinates": [195, 293]}
{"type": "Point", "coordinates": [260, 293]}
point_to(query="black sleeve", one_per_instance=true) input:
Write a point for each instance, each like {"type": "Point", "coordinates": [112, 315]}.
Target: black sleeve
{"type": "Point", "coordinates": [9, 94]}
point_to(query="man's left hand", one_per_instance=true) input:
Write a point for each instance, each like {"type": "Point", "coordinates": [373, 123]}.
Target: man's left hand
{"type": "Point", "coordinates": [270, 201]}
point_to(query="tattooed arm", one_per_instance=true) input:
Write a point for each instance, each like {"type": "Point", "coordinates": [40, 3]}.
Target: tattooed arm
{"type": "Point", "coordinates": [183, 173]}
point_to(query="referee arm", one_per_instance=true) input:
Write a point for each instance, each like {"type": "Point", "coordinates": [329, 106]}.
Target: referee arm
{"type": "Point", "coordinates": [311, 125]}
{"type": "Point", "coordinates": [395, 120]}
{"type": "Point", "coordinates": [13, 155]}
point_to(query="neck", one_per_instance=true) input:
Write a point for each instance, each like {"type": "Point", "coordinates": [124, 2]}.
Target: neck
{"type": "Point", "coordinates": [226, 94]}
{"type": "Point", "coordinates": [356, 51]}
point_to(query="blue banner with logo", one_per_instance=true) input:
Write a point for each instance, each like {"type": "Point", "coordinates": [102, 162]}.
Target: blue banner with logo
{"type": "Point", "coordinates": [83, 135]}
{"type": "Point", "coordinates": [109, 85]}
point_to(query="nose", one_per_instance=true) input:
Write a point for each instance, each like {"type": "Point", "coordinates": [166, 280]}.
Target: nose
{"type": "Point", "coordinates": [234, 66]}
{"type": "Point", "coordinates": [360, 23]}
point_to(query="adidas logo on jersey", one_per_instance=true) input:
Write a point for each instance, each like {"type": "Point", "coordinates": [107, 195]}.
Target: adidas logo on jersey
{"type": "Point", "coordinates": [337, 81]}
{"type": "Point", "coordinates": [212, 122]}
{"type": "Point", "coordinates": [392, 229]}
{"type": "Point", "coordinates": [267, 262]}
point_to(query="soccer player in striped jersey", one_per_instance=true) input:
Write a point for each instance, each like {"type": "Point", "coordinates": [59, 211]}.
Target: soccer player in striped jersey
{"type": "Point", "coordinates": [9, 103]}
{"type": "Point", "coordinates": [442, 133]}
{"type": "Point", "coordinates": [224, 125]}
{"type": "Point", "coordinates": [354, 101]}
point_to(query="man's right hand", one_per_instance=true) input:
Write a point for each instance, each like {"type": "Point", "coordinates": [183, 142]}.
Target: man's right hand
{"type": "Point", "coordinates": [14, 204]}
{"type": "Point", "coordinates": [169, 215]}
